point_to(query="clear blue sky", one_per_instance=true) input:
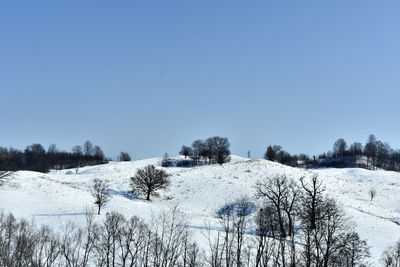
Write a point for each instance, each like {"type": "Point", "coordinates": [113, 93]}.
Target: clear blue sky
{"type": "Point", "coordinates": [148, 76]}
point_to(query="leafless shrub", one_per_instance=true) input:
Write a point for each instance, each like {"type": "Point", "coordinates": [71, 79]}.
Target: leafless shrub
{"type": "Point", "coordinates": [372, 193]}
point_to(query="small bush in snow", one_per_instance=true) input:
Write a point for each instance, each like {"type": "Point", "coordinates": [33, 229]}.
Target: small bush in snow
{"type": "Point", "coordinates": [372, 193]}
{"type": "Point", "coordinates": [166, 161]}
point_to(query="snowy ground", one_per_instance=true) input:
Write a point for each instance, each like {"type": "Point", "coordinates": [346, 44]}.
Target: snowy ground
{"type": "Point", "coordinates": [59, 197]}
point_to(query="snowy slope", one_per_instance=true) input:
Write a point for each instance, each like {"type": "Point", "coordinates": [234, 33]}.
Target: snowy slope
{"type": "Point", "coordinates": [62, 196]}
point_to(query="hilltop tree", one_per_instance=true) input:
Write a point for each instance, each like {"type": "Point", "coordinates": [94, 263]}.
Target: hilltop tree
{"type": "Point", "coordinates": [35, 158]}
{"type": "Point", "coordinates": [88, 148]}
{"type": "Point", "coordinates": [77, 150]}
{"type": "Point", "coordinates": [356, 149]}
{"type": "Point", "coordinates": [340, 147]}
{"type": "Point", "coordinates": [52, 149]}
{"type": "Point", "coordinates": [148, 180]}
{"type": "Point", "coordinates": [98, 153]}
{"type": "Point", "coordinates": [271, 152]}
{"type": "Point", "coordinates": [124, 156]}
{"type": "Point", "coordinates": [371, 148]}
{"type": "Point", "coordinates": [186, 151]}
{"type": "Point", "coordinates": [383, 152]}
{"type": "Point", "coordinates": [198, 148]}
{"type": "Point", "coordinates": [219, 148]}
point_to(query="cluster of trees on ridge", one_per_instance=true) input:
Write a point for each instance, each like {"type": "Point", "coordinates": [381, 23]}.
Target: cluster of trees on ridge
{"type": "Point", "coordinates": [212, 150]}
{"type": "Point", "coordinates": [36, 158]}
{"type": "Point", "coordinates": [374, 154]}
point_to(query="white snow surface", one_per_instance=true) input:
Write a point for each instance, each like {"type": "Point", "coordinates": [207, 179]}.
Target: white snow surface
{"type": "Point", "coordinates": [59, 197]}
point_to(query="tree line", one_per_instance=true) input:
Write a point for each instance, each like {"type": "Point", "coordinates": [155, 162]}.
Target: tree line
{"type": "Point", "coordinates": [374, 154]}
{"type": "Point", "coordinates": [116, 241]}
{"type": "Point", "coordinates": [36, 158]}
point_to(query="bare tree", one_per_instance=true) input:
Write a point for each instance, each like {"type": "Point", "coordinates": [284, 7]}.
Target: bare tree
{"type": "Point", "coordinates": [311, 198]}
{"type": "Point", "coordinates": [280, 194]}
{"type": "Point", "coordinates": [353, 251]}
{"type": "Point", "coordinates": [274, 191]}
{"type": "Point", "coordinates": [265, 228]}
{"type": "Point", "coordinates": [108, 246]}
{"type": "Point", "coordinates": [88, 148]}
{"type": "Point", "coordinates": [339, 148]}
{"type": "Point", "coordinates": [77, 150]}
{"type": "Point", "coordinates": [198, 147]}
{"type": "Point", "coordinates": [226, 217]}
{"type": "Point", "coordinates": [99, 192]}
{"type": "Point", "coordinates": [48, 248]}
{"type": "Point", "coordinates": [271, 152]}
{"type": "Point", "coordinates": [356, 149]}
{"type": "Point", "coordinates": [370, 149]}
{"type": "Point", "coordinates": [218, 148]}
{"type": "Point", "coordinates": [52, 148]}
{"type": "Point", "coordinates": [171, 239]}
{"type": "Point", "coordinates": [243, 207]}
{"type": "Point", "coordinates": [234, 220]}
{"type": "Point", "coordinates": [98, 153]}
{"type": "Point", "coordinates": [17, 241]}
{"type": "Point", "coordinates": [186, 151]}
{"type": "Point", "coordinates": [311, 206]}
{"type": "Point", "coordinates": [216, 251]}
{"type": "Point", "coordinates": [132, 241]}
{"type": "Point", "coordinates": [77, 244]}
{"type": "Point", "coordinates": [148, 180]}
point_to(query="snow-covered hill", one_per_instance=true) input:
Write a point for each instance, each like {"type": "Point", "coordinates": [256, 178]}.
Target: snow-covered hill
{"type": "Point", "coordinates": [61, 196]}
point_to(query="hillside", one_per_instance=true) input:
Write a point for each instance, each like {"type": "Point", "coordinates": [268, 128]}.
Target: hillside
{"type": "Point", "coordinates": [61, 196]}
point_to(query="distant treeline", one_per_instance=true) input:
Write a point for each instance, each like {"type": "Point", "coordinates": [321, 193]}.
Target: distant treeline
{"type": "Point", "coordinates": [36, 158]}
{"type": "Point", "coordinates": [374, 154]}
